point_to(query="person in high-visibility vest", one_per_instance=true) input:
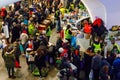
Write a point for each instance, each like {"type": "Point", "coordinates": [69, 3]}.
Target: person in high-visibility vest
{"type": "Point", "coordinates": [62, 10]}
{"type": "Point", "coordinates": [72, 7]}
{"type": "Point", "coordinates": [48, 32]}
{"type": "Point", "coordinates": [96, 46]}
{"type": "Point", "coordinates": [57, 20]}
{"type": "Point", "coordinates": [68, 34]}
{"type": "Point", "coordinates": [115, 44]}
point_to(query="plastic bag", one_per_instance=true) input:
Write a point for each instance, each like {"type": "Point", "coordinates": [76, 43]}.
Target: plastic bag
{"type": "Point", "coordinates": [91, 74]}
{"type": "Point", "coordinates": [17, 65]}
{"type": "Point", "coordinates": [36, 72]}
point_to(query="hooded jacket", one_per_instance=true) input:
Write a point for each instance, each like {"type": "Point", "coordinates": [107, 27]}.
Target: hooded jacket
{"type": "Point", "coordinates": [9, 59]}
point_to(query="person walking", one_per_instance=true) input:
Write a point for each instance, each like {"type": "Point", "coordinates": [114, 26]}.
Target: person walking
{"type": "Point", "coordinates": [68, 34]}
{"type": "Point", "coordinates": [15, 32]}
{"type": "Point", "coordinates": [40, 60]}
{"type": "Point", "coordinates": [48, 32]}
{"type": "Point", "coordinates": [9, 59]}
{"type": "Point", "coordinates": [95, 65]}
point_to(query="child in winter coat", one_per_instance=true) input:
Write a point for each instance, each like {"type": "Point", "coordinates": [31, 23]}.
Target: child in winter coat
{"type": "Point", "coordinates": [31, 61]}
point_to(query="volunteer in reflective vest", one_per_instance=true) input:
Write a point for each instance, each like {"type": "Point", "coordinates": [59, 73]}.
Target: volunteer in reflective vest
{"type": "Point", "coordinates": [115, 44]}
{"type": "Point", "coordinates": [48, 32]}
{"type": "Point", "coordinates": [72, 7]}
{"type": "Point", "coordinates": [57, 20]}
{"type": "Point", "coordinates": [96, 45]}
{"type": "Point", "coordinates": [68, 34]}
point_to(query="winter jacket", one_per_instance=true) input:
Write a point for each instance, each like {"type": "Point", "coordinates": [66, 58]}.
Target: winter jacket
{"type": "Point", "coordinates": [40, 61]}
{"type": "Point", "coordinates": [9, 59]}
{"type": "Point", "coordinates": [96, 61]}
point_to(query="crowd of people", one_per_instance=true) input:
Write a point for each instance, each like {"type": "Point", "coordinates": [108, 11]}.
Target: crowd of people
{"type": "Point", "coordinates": [20, 34]}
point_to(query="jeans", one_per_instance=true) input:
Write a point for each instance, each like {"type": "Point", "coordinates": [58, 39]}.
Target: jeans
{"type": "Point", "coordinates": [32, 66]}
{"type": "Point", "coordinates": [58, 25]}
{"type": "Point", "coordinates": [10, 71]}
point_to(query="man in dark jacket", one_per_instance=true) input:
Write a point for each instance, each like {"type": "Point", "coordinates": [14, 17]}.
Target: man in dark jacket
{"type": "Point", "coordinates": [15, 32]}
{"type": "Point", "coordinates": [95, 65]}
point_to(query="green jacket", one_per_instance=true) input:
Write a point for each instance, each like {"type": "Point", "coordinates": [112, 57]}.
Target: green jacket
{"type": "Point", "coordinates": [9, 59]}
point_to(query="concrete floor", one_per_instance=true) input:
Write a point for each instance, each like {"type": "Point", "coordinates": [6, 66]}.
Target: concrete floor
{"type": "Point", "coordinates": [23, 73]}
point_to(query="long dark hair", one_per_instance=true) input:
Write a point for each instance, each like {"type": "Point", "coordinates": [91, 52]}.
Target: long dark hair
{"type": "Point", "coordinates": [41, 51]}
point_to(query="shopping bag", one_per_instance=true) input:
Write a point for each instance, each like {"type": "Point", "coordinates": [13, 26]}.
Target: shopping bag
{"type": "Point", "coordinates": [36, 72]}
{"type": "Point", "coordinates": [51, 60]}
{"type": "Point", "coordinates": [91, 75]}
{"type": "Point", "coordinates": [17, 65]}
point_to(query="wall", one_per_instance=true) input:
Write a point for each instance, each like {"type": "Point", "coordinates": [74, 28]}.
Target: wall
{"type": "Point", "coordinates": [108, 10]}
{"type": "Point", "coordinates": [7, 2]}
{"type": "Point", "coordinates": [113, 12]}
{"type": "Point", "coordinates": [95, 8]}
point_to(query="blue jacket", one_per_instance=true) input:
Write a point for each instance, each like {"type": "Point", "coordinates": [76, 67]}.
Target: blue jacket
{"type": "Point", "coordinates": [116, 69]}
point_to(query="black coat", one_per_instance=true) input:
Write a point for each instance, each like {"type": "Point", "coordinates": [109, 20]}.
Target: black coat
{"type": "Point", "coordinates": [15, 34]}
{"type": "Point", "coordinates": [40, 61]}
